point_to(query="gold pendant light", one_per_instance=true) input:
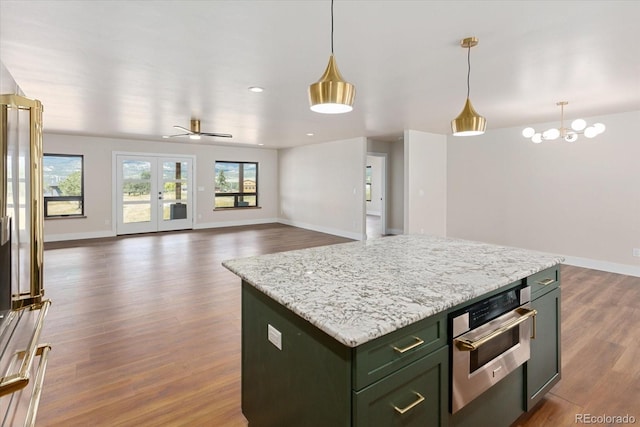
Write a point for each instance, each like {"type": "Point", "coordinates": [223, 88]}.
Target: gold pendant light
{"type": "Point", "coordinates": [469, 122]}
{"type": "Point", "coordinates": [331, 94]}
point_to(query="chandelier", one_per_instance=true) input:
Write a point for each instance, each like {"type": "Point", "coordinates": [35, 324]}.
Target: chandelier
{"type": "Point", "coordinates": [578, 127]}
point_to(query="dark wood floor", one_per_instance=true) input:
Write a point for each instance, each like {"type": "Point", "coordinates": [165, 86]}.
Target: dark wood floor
{"type": "Point", "coordinates": [146, 332]}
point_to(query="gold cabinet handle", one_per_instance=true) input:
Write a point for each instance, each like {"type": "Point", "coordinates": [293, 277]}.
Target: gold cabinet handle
{"type": "Point", "coordinates": [409, 347]}
{"type": "Point", "coordinates": [471, 345]}
{"type": "Point", "coordinates": [411, 406]}
{"type": "Point", "coordinates": [545, 282]}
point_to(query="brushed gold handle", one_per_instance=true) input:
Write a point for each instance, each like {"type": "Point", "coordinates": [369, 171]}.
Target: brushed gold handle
{"type": "Point", "coordinates": [471, 345]}
{"type": "Point", "coordinates": [410, 406]}
{"type": "Point", "coordinates": [409, 347]}
{"type": "Point", "coordinates": [34, 402]}
{"type": "Point", "coordinates": [545, 282]}
{"type": "Point", "coordinates": [11, 383]}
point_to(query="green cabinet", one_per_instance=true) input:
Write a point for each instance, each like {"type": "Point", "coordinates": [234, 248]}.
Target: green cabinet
{"type": "Point", "coordinates": [415, 395]}
{"type": "Point", "coordinates": [293, 374]}
{"type": "Point", "coordinates": [542, 371]}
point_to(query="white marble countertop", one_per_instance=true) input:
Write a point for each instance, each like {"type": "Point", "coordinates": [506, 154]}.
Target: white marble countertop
{"type": "Point", "coordinates": [359, 291]}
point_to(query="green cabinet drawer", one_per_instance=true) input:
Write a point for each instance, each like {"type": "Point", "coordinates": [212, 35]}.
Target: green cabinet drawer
{"type": "Point", "coordinates": [544, 281]}
{"type": "Point", "coordinates": [415, 395]}
{"type": "Point", "coordinates": [380, 357]}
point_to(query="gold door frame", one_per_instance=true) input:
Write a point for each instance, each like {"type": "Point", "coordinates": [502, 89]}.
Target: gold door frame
{"type": "Point", "coordinates": [36, 220]}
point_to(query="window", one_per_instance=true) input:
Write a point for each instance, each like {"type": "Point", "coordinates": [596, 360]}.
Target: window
{"type": "Point", "coordinates": [63, 185]}
{"type": "Point", "coordinates": [230, 193]}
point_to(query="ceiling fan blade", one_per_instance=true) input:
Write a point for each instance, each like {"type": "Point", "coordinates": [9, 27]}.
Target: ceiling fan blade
{"type": "Point", "coordinates": [184, 129]}
{"type": "Point", "coordinates": [180, 134]}
{"type": "Point", "coordinates": [219, 135]}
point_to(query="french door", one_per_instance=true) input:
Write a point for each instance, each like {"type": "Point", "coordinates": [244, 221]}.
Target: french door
{"type": "Point", "coordinates": [153, 193]}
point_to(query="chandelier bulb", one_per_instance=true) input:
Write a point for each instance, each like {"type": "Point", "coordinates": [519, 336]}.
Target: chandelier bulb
{"type": "Point", "coordinates": [536, 138]}
{"type": "Point", "coordinates": [528, 132]}
{"type": "Point", "coordinates": [590, 132]}
{"type": "Point", "coordinates": [578, 124]}
{"type": "Point", "coordinates": [599, 127]}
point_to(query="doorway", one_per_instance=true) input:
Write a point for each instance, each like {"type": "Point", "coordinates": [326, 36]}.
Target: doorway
{"type": "Point", "coordinates": [375, 195]}
{"type": "Point", "coordinates": [153, 193]}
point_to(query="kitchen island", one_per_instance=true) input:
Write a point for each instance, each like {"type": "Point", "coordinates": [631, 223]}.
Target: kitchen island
{"type": "Point", "coordinates": [330, 334]}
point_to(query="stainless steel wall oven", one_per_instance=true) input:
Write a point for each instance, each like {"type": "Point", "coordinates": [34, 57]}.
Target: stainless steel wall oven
{"type": "Point", "coordinates": [489, 340]}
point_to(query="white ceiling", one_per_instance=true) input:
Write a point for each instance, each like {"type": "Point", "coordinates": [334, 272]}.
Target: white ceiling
{"type": "Point", "coordinates": [133, 69]}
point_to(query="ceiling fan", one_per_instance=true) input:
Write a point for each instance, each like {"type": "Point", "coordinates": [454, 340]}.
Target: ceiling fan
{"type": "Point", "coordinates": [194, 132]}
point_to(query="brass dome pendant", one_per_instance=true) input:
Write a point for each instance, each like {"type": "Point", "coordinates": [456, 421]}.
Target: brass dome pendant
{"type": "Point", "coordinates": [468, 122]}
{"type": "Point", "coordinates": [331, 94]}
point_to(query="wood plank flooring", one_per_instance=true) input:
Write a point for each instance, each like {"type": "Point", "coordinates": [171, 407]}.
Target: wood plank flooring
{"type": "Point", "coordinates": [146, 332]}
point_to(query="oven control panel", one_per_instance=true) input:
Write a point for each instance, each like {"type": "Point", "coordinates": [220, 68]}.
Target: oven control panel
{"type": "Point", "coordinates": [488, 309]}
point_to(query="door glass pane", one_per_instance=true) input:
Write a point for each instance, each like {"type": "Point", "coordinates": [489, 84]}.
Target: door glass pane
{"type": "Point", "coordinates": [173, 211]}
{"type": "Point", "coordinates": [175, 191]}
{"type": "Point", "coordinates": [136, 176]}
{"type": "Point", "coordinates": [139, 212]}
{"type": "Point", "coordinates": [174, 170]}
{"type": "Point", "coordinates": [136, 191]}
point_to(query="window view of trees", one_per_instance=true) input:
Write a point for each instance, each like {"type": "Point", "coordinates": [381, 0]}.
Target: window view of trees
{"type": "Point", "coordinates": [63, 185]}
{"type": "Point", "coordinates": [236, 184]}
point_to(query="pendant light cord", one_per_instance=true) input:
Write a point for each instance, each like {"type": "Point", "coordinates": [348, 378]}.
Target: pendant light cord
{"type": "Point", "coordinates": [331, 27]}
{"type": "Point", "coordinates": [468, 70]}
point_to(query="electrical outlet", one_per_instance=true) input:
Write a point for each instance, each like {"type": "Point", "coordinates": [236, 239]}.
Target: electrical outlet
{"type": "Point", "coordinates": [274, 336]}
{"type": "Point", "coordinates": [636, 251]}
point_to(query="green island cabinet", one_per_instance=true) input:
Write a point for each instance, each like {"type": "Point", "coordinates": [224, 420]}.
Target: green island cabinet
{"type": "Point", "coordinates": [543, 369]}
{"type": "Point", "coordinates": [304, 377]}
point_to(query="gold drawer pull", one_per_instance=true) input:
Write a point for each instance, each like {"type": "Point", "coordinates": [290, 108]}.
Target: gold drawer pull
{"type": "Point", "coordinates": [545, 282]}
{"type": "Point", "coordinates": [409, 347]}
{"type": "Point", "coordinates": [411, 406]}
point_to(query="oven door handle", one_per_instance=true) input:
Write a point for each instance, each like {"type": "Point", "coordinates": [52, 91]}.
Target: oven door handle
{"type": "Point", "coordinates": [464, 344]}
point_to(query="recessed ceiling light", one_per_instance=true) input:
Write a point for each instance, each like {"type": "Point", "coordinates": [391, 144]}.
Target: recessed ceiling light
{"type": "Point", "coordinates": [309, 134]}
{"type": "Point", "coordinates": [260, 144]}
{"type": "Point", "coordinates": [165, 136]}
{"type": "Point", "coordinates": [256, 89]}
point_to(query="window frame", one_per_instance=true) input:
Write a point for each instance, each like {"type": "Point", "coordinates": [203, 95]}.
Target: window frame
{"type": "Point", "coordinates": [80, 198]}
{"type": "Point", "coordinates": [239, 194]}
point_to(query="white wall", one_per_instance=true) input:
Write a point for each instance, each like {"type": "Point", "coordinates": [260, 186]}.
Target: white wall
{"type": "Point", "coordinates": [425, 158]}
{"type": "Point", "coordinates": [580, 199]}
{"type": "Point", "coordinates": [322, 187]}
{"type": "Point", "coordinates": [98, 183]}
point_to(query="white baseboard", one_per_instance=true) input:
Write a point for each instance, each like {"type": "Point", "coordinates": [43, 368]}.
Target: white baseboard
{"type": "Point", "coordinates": [320, 229]}
{"type": "Point", "coordinates": [78, 236]}
{"type": "Point", "coordinates": [234, 223]}
{"type": "Point", "coordinates": [611, 267]}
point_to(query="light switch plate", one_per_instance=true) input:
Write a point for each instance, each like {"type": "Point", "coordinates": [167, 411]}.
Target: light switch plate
{"type": "Point", "coordinates": [275, 337]}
